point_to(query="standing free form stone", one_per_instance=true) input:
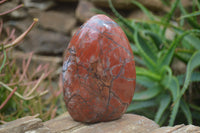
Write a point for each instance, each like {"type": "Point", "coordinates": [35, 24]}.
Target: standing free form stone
{"type": "Point", "coordinates": [98, 72]}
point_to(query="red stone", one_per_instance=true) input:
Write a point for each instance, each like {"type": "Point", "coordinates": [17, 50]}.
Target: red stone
{"type": "Point", "coordinates": [98, 72]}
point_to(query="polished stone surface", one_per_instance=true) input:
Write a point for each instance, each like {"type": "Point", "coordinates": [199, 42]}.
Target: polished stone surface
{"type": "Point", "coordinates": [98, 72]}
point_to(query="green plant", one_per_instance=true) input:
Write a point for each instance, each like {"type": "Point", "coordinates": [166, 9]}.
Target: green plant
{"type": "Point", "coordinates": [154, 53]}
{"type": "Point", "coordinates": [24, 92]}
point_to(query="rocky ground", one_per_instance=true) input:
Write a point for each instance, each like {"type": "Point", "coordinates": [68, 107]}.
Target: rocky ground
{"type": "Point", "coordinates": [128, 123]}
{"type": "Point", "coordinates": [58, 20]}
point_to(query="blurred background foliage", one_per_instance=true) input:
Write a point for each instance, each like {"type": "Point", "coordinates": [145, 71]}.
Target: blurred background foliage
{"type": "Point", "coordinates": [164, 93]}
{"type": "Point", "coordinates": [167, 97]}
{"type": "Point", "coordinates": [24, 92]}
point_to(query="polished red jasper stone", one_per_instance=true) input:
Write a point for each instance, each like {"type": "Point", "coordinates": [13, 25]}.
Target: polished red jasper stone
{"type": "Point", "coordinates": [98, 72]}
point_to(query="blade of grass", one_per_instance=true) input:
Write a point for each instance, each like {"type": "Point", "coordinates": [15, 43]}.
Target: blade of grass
{"type": "Point", "coordinates": [16, 93]}
{"type": "Point", "coordinates": [194, 7]}
{"type": "Point", "coordinates": [19, 95]}
{"type": "Point", "coordinates": [4, 60]}
{"type": "Point", "coordinates": [36, 85]}
{"type": "Point", "coordinates": [145, 10]}
{"type": "Point", "coordinates": [167, 57]}
{"type": "Point", "coordinates": [167, 3]}
{"type": "Point", "coordinates": [2, 1]}
{"type": "Point", "coordinates": [25, 66]}
{"type": "Point", "coordinates": [8, 98]}
{"type": "Point", "coordinates": [122, 19]}
{"type": "Point", "coordinates": [1, 26]}
{"type": "Point", "coordinates": [153, 27]}
{"type": "Point", "coordinates": [20, 38]}
{"type": "Point", "coordinates": [198, 4]}
{"type": "Point", "coordinates": [196, 13]}
{"type": "Point", "coordinates": [11, 10]}
{"type": "Point", "coordinates": [99, 11]}
{"type": "Point", "coordinates": [190, 20]}
{"type": "Point", "coordinates": [169, 16]}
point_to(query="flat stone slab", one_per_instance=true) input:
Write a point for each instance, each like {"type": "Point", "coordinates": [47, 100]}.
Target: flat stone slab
{"type": "Point", "coordinates": [178, 129]}
{"type": "Point", "coordinates": [21, 125]}
{"type": "Point", "coordinates": [128, 123]}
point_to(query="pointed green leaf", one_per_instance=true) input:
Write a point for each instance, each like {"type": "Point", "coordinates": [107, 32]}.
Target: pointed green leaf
{"type": "Point", "coordinates": [147, 73]}
{"type": "Point", "coordinates": [144, 9]}
{"type": "Point", "coordinates": [147, 48]}
{"type": "Point", "coordinates": [167, 71]}
{"type": "Point", "coordinates": [174, 88]}
{"type": "Point", "coordinates": [156, 39]}
{"type": "Point", "coordinates": [196, 116]}
{"type": "Point", "coordinates": [153, 26]}
{"type": "Point", "coordinates": [196, 13]}
{"type": "Point", "coordinates": [122, 19]}
{"type": "Point", "coordinates": [164, 118]}
{"type": "Point", "coordinates": [141, 105]}
{"type": "Point", "coordinates": [185, 57]}
{"type": "Point", "coordinates": [128, 33]}
{"type": "Point", "coordinates": [195, 107]}
{"type": "Point", "coordinates": [167, 3]}
{"type": "Point", "coordinates": [134, 48]}
{"type": "Point", "coordinates": [164, 103]}
{"type": "Point", "coordinates": [190, 20]}
{"type": "Point", "coordinates": [186, 110]}
{"type": "Point", "coordinates": [167, 57]}
{"type": "Point", "coordinates": [139, 60]}
{"type": "Point", "coordinates": [169, 16]}
{"type": "Point", "coordinates": [145, 81]}
{"type": "Point", "coordinates": [198, 4]}
{"type": "Point", "coordinates": [99, 11]}
{"type": "Point", "coordinates": [174, 112]}
{"type": "Point", "coordinates": [150, 93]}
{"type": "Point", "coordinates": [191, 39]}
{"type": "Point", "coordinates": [148, 61]}
{"type": "Point", "coordinates": [195, 77]}
{"type": "Point", "coordinates": [192, 64]}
